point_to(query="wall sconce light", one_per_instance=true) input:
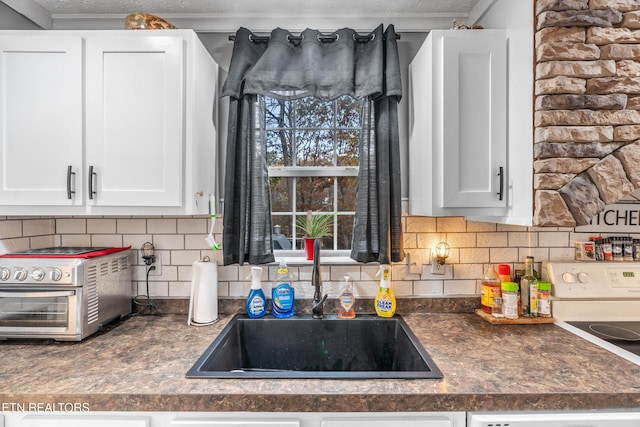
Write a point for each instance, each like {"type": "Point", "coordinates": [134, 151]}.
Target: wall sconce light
{"type": "Point", "coordinates": [148, 253]}
{"type": "Point", "coordinates": [441, 253]}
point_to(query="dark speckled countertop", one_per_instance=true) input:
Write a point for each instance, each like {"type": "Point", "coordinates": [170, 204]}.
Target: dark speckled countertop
{"type": "Point", "coordinates": [140, 365]}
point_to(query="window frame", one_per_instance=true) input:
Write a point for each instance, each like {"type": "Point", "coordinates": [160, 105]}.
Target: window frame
{"type": "Point", "coordinates": [335, 171]}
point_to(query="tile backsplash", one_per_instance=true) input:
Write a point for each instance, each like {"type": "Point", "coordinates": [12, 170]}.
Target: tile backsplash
{"type": "Point", "coordinates": [180, 241]}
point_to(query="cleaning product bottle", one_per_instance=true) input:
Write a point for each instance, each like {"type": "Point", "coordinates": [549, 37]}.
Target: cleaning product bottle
{"type": "Point", "coordinates": [282, 294]}
{"type": "Point", "coordinates": [385, 301]}
{"type": "Point", "coordinates": [347, 300]}
{"type": "Point", "coordinates": [256, 301]}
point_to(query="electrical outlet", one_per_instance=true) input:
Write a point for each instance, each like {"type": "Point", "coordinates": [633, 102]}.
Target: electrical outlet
{"type": "Point", "coordinates": [436, 267]}
{"type": "Point", "coordinates": [158, 266]}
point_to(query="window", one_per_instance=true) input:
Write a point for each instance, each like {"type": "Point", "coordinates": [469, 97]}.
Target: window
{"type": "Point", "coordinates": [312, 155]}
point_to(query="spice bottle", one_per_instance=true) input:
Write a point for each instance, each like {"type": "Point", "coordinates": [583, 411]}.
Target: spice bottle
{"type": "Point", "coordinates": [544, 299]}
{"type": "Point", "coordinates": [490, 289]}
{"type": "Point", "coordinates": [510, 300]}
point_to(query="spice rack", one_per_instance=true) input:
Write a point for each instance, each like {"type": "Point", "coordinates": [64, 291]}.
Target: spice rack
{"type": "Point", "coordinates": [520, 321]}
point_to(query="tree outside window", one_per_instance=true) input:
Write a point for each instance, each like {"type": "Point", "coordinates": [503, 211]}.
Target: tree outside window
{"type": "Point", "coordinates": [312, 155]}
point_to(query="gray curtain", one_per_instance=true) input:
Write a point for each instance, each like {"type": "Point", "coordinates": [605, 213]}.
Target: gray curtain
{"type": "Point", "coordinates": [325, 66]}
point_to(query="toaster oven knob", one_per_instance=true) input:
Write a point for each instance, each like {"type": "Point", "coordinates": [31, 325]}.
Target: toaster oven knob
{"type": "Point", "coordinates": [4, 274]}
{"type": "Point", "coordinates": [20, 274]}
{"type": "Point", "coordinates": [55, 274]}
{"type": "Point", "coordinates": [37, 274]}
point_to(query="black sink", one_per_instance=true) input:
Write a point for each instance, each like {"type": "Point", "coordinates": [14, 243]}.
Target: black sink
{"type": "Point", "coordinates": [301, 347]}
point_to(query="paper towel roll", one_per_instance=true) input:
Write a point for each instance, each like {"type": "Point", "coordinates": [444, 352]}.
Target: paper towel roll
{"type": "Point", "coordinates": [203, 306]}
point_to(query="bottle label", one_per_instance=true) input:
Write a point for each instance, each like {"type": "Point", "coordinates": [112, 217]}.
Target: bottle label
{"type": "Point", "coordinates": [346, 300]}
{"type": "Point", "coordinates": [256, 305]}
{"type": "Point", "coordinates": [282, 297]}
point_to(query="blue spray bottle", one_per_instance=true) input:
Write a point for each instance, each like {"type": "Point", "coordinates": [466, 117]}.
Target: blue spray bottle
{"type": "Point", "coordinates": [256, 301]}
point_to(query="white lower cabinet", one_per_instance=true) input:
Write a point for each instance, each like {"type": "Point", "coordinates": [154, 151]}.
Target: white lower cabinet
{"type": "Point", "coordinates": [234, 419]}
{"type": "Point", "coordinates": [104, 419]}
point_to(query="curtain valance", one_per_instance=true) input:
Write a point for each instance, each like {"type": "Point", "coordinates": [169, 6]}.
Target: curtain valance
{"type": "Point", "coordinates": [291, 66]}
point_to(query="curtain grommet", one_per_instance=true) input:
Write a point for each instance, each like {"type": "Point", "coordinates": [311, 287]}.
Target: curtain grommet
{"type": "Point", "coordinates": [328, 39]}
{"type": "Point", "coordinates": [295, 39]}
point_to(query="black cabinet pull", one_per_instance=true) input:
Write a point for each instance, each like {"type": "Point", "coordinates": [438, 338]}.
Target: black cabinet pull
{"type": "Point", "coordinates": [92, 174]}
{"type": "Point", "coordinates": [70, 192]}
{"type": "Point", "coordinates": [500, 193]}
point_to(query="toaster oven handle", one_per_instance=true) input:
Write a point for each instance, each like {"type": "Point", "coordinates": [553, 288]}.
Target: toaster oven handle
{"type": "Point", "coordinates": [36, 294]}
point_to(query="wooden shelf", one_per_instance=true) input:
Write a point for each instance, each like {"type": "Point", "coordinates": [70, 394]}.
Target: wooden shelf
{"type": "Point", "coordinates": [521, 321]}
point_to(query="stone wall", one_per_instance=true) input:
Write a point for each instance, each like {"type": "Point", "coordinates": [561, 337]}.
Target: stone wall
{"type": "Point", "coordinates": [587, 102]}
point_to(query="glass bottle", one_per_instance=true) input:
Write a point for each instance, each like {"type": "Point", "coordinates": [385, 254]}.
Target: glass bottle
{"type": "Point", "coordinates": [489, 290]}
{"type": "Point", "coordinates": [529, 290]}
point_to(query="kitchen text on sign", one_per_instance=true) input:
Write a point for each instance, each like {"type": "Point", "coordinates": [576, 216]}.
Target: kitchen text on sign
{"type": "Point", "coordinates": [619, 217]}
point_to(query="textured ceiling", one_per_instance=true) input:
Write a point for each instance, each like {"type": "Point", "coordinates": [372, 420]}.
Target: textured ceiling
{"type": "Point", "coordinates": [253, 7]}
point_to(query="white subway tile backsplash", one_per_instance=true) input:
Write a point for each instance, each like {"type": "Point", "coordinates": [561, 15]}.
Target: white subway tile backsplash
{"type": "Point", "coordinates": [70, 226]}
{"type": "Point", "coordinates": [181, 241]}
{"type": "Point", "coordinates": [522, 239]}
{"type": "Point", "coordinates": [459, 287]}
{"type": "Point", "coordinates": [162, 226]}
{"type": "Point", "coordinates": [474, 255]}
{"type": "Point", "coordinates": [131, 226]}
{"type": "Point", "coordinates": [38, 227]}
{"type": "Point", "coordinates": [454, 224]}
{"type": "Point", "coordinates": [428, 288]}
{"type": "Point", "coordinates": [492, 240]}
{"type": "Point", "coordinates": [101, 226]}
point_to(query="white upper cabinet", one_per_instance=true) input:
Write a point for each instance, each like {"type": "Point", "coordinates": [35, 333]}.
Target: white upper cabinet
{"type": "Point", "coordinates": [458, 125]}
{"type": "Point", "coordinates": [41, 119]}
{"type": "Point", "coordinates": [134, 120]}
{"type": "Point", "coordinates": [130, 111]}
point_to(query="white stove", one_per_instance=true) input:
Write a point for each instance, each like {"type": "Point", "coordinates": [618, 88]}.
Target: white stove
{"type": "Point", "coordinates": [599, 301]}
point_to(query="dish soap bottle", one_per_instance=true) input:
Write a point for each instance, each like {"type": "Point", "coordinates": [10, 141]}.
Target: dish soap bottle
{"type": "Point", "coordinates": [385, 301]}
{"type": "Point", "coordinates": [256, 301]}
{"type": "Point", "coordinates": [347, 301]}
{"type": "Point", "coordinates": [282, 294]}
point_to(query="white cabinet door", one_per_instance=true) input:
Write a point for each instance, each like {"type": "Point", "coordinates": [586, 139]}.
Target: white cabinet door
{"type": "Point", "coordinates": [77, 420]}
{"type": "Point", "coordinates": [41, 120]}
{"type": "Point", "coordinates": [458, 143]}
{"type": "Point", "coordinates": [399, 420]}
{"type": "Point", "coordinates": [134, 120]}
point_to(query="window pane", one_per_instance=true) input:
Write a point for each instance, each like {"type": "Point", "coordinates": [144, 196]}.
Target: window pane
{"type": "Point", "coordinates": [347, 186]}
{"type": "Point", "coordinates": [282, 231]}
{"type": "Point", "coordinates": [345, 231]}
{"type": "Point", "coordinates": [313, 113]}
{"type": "Point", "coordinates": [349, 112]}
{"type": "Point", "coordinates": [314, 194]}
{"type": "Point", "coordinates": [278, 148]}
{"type": "Point", "coordinates": [314, 148]}
{"type": "Point", "coordinates": [347, 147]}
{"type": "Point", "coordinates": [281, 190]}
{"type": "Point", "coordinates": [278, 113]}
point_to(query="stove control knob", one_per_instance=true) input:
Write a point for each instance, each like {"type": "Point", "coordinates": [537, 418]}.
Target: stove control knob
{"type": "Point", "coordinates": [568, 277]}
{"type": "Point", "coordinates": [583, 277]}
{"type": "Point", "coordinates": [20, 274]}
{"type": "Point", "coordinates": [55, 274]}
{"type": "Point", "coordinates": [37, 274]}
{"type": "Point", "coordinates": [4, 274]}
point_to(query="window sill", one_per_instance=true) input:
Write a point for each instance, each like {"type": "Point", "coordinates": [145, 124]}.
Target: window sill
{"type": "Point", "coordinates": [326, 258]}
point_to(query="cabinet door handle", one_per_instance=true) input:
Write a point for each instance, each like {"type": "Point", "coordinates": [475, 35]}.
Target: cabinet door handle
{"type": "Point", "coordinates": [500, 193]}
{"type": "Point", "coordinates": [70, 192]}
{"type": "Point", "coordinates": [92, 175]}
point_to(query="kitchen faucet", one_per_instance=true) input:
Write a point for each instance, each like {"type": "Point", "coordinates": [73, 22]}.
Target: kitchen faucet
{"type": "Point", "coordinates": [317, 308]}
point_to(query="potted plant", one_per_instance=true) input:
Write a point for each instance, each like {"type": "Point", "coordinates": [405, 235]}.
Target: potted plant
{"type": "Point", "coordinates": [315, 227]}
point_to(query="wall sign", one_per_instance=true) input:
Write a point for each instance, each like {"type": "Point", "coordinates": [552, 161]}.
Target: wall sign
{"type": "Point", "coordinates": [622, 217]}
